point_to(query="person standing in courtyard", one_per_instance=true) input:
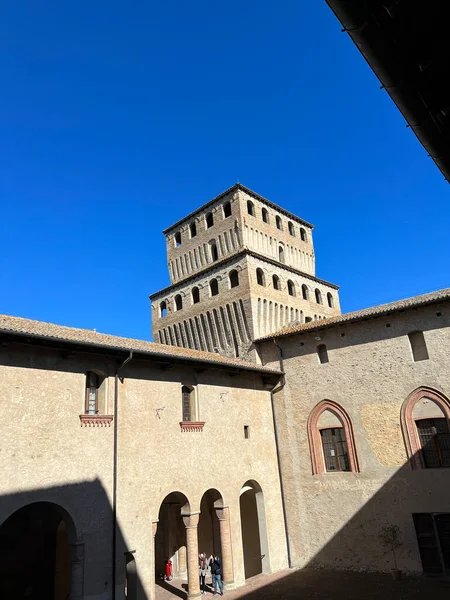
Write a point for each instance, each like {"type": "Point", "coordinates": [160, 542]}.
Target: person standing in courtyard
{"type": "Point", "coordinates": [216, 573]}
{"type": "Point", "coordinates": [202, 569]}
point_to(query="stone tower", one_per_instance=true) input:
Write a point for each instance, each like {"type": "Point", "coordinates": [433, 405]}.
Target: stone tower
{"type": "Point", "coordinates": [240, 267]}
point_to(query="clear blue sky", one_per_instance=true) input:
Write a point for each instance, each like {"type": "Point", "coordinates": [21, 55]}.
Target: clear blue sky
{"type": "Point", "coordinates": [116, 119]}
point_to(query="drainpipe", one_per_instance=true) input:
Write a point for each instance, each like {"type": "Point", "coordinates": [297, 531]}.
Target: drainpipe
{"type": "Point", "coordinates": [114, 491]}
{"type": "Point", "coordinates": [276, 389]}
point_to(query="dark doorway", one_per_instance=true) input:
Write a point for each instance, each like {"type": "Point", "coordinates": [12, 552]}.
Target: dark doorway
{"type": "Point", "coordinates": [254, 533]}
{"type": "Point", "coordinates": [208, 524]}
{"type": "Point", "coordinates": [34, 553]}
{"type": "Point", "coordinates": [170, 539]}
{"type": "Point", "coordinates": [433, 538]}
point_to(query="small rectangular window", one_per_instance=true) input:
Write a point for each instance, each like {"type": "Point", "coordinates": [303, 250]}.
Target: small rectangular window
{"type": "Point", "coordinates": [246, 432]}
{"type": "Point", "coordinates": [91, 394]}
{"type": "Point", "coordinates": [418, 346]}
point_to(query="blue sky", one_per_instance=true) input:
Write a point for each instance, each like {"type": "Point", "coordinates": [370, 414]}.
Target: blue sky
{"type": "Point", "coordinates": [116, 119]}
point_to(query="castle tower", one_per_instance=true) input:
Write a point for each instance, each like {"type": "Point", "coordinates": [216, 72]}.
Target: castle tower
{"type": "Point", "coordinates": [240, 267]}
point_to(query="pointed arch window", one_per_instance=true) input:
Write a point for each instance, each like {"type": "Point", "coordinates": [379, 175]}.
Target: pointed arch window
{"type": "Point", "coordinates": [425, 421]}
{"type": "Point", "coordinates": [331, 439]}
{"type": "Point", "coordinates": [276, 282]}
{"type": "Point", "coordinates": [305, 292]}
{"type": "Point", "coordinates": [291, 288]}
{"type": "Point", "coordinates": [265, 215]}
{"type": "Point", "coordinates": [234, 278]}
{"type": "Point", "coordinates": [260, 279]}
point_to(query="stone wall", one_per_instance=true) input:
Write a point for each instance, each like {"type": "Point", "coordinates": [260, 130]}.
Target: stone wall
{"type": "Point", "coordinates": [335, 518]}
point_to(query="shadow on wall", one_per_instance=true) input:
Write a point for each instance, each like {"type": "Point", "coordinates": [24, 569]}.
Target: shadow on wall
{"type": "Point", "coordinates": [56, 543]}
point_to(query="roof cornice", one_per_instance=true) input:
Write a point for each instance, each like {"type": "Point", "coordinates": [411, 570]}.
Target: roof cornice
{"type": "Point", "coordinates": [231, 258]}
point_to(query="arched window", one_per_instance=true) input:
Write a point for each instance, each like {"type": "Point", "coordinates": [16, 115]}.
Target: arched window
{"type": "Point", "coordinates": [276, 282]}
{"type": "Point", "coordinates": [305, 292]}
{"type": "Point", "coordinates": [163, 309]}
{"type": "Point", "coordinates": [330, 300]}
{"type": "Point", "coordinates": [227, 210]}
{"type": "Point", "coordinates": [308, 319]}
{"type": "Point", "coordinates": [322, 353]}
{"type": "Point", "coordinates": [178, 302]}
{"type": "Point", "coordinates": [209, 219]}
{"type": "Point", "coordinates": [331, 439]}
{"type": "Point", "coordinates": [279, 223]}
{"type": "Point", "coordinates": [425, 420]}
{"type": "Point", "coordinates": [318, 294]}
{"type": "Point", "coordinates": [188, 404]}
{"type": "Point", "coordinates": [418, 346]}
{"type": "Point", "coordinates": [303, 234]}
{"type": "Point", "coordinates": [234, 278]}
{"type": "Point", "coordinates": [195, 295]}
{"type": "Point", "coordinates": [291, 288]}
{"type": "Point", "coordinates": [260, 279]}
{"type": "Point", "coordinates": [265, 215]}
{"type": "Point", "coordinates": [281, 253]}
{"type": "Point", "coordinates": [213, 250]}
{"type": "Point", "coordinates": [177, 239]}
{"type": "Point", "coordinates": [250, 208]}
{"type": "Point", "coordinates": [291, 229]}
{"type": "Point", "coordinates": [214, 287]}
{"type": "Point", "coordinates": [193, 229]}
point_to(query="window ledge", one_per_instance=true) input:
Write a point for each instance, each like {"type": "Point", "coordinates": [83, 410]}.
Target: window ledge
{"type": "Point", "coordinates": [192, 425]}
{"type": "Point", "coordinates": [96, 420]}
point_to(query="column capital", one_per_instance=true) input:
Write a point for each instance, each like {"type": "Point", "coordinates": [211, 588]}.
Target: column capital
{"type": "Point", "coordinates": [191, 521]}
{"type": "Point", "coordinates": [222, 513]}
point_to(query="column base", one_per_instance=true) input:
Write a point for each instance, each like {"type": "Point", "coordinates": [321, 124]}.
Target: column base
{"type": "Point", "coordinates": [194, 595]}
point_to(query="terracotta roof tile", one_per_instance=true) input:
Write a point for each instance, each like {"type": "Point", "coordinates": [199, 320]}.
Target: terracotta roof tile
{"type": "Point", "coordinates": [359, 315]}
{"type": "Point", "coordinates": [49, 331]}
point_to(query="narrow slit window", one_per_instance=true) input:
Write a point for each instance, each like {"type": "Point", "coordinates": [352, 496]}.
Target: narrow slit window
{"type": "Point", "coordinates": [276, 282]}
{"type": "Point", "coordinates": [193, 230]}
{"type": "Point", "coordinates": [330, 300]}
{"type": "Point", "coordinates": [305, 292]}
{"type": "Point", "coordinates": [318, 294]}
{"type": "Point", "coordinates": [214, 287]}
{"type": "Point", "coordinates": [281, 254]}
{"type": "Point", "coordinates": [303, 234]}
{"type": "Point", "coordinates": [291, 228]}
{"type": "Point", "coordinates": [92, 385]}
{"type": "Point", "coordinates": [234, 278]}
{"type": "Point", "coordinates": [291, 288]}
{"type": "Point", "coordinates": [279, 223]}
{"type": "Point", "coordinates": [178, 302]}
{"type": "Point", "coordinates": [213, 250]}
{"type": "Point", "coordinates": [195, 295]}
{"type": "Point", "coordinates": [163, 309]}
{"type": "Point", "coordinates": [177, 239]}
{"type": "Point", "coordinates": [246, 432]}
{"type": "Point", "coordinates": [227, 210]}
{"type": "Point", "coordinates": [265, 215]}
{"type": "Point", "coordinates": [250, 208]}
{"type": "Point", "coordinates": [188, 403]}
{"type": "Point", "coordinates": [260, 277]}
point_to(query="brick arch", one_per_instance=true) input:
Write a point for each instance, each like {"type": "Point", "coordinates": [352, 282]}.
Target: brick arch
{"type": "Point", "coordinates": [315, 442]}
{"type": "Point", "coordinates": [409, 429]}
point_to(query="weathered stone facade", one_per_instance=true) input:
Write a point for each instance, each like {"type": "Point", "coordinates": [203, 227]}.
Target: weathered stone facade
{"type": "Point", "coordinates": [334, 518]}
{"type": "Point", "coordinates": [135, 451]}
{"type": "Point", "coordinates": [261, 258]}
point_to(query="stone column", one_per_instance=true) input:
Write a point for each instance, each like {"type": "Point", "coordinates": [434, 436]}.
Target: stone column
{"type": "Point", "coordinates": [191, 523]}
{"type": "Point", "coordinates": [76, 553]}
{"type": "Point", "coordinates": [223, 515]}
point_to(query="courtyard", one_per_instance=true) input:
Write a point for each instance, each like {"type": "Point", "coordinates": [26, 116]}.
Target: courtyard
{"type": "Point", "coordinates": [323, 585]}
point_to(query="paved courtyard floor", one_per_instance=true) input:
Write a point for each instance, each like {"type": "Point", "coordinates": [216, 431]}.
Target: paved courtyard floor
{"type": "Point", "coordinates": [324, 585]}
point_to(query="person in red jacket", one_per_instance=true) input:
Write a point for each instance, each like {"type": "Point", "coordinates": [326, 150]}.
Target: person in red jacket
{"type": "Point", "coordinates": [168, 570]}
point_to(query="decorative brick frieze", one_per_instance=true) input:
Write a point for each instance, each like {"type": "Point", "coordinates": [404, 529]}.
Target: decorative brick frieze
{"type": "Point", "coordinates": [192, 425]}
{"type": "Point", "coordinates": [96, 420]}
